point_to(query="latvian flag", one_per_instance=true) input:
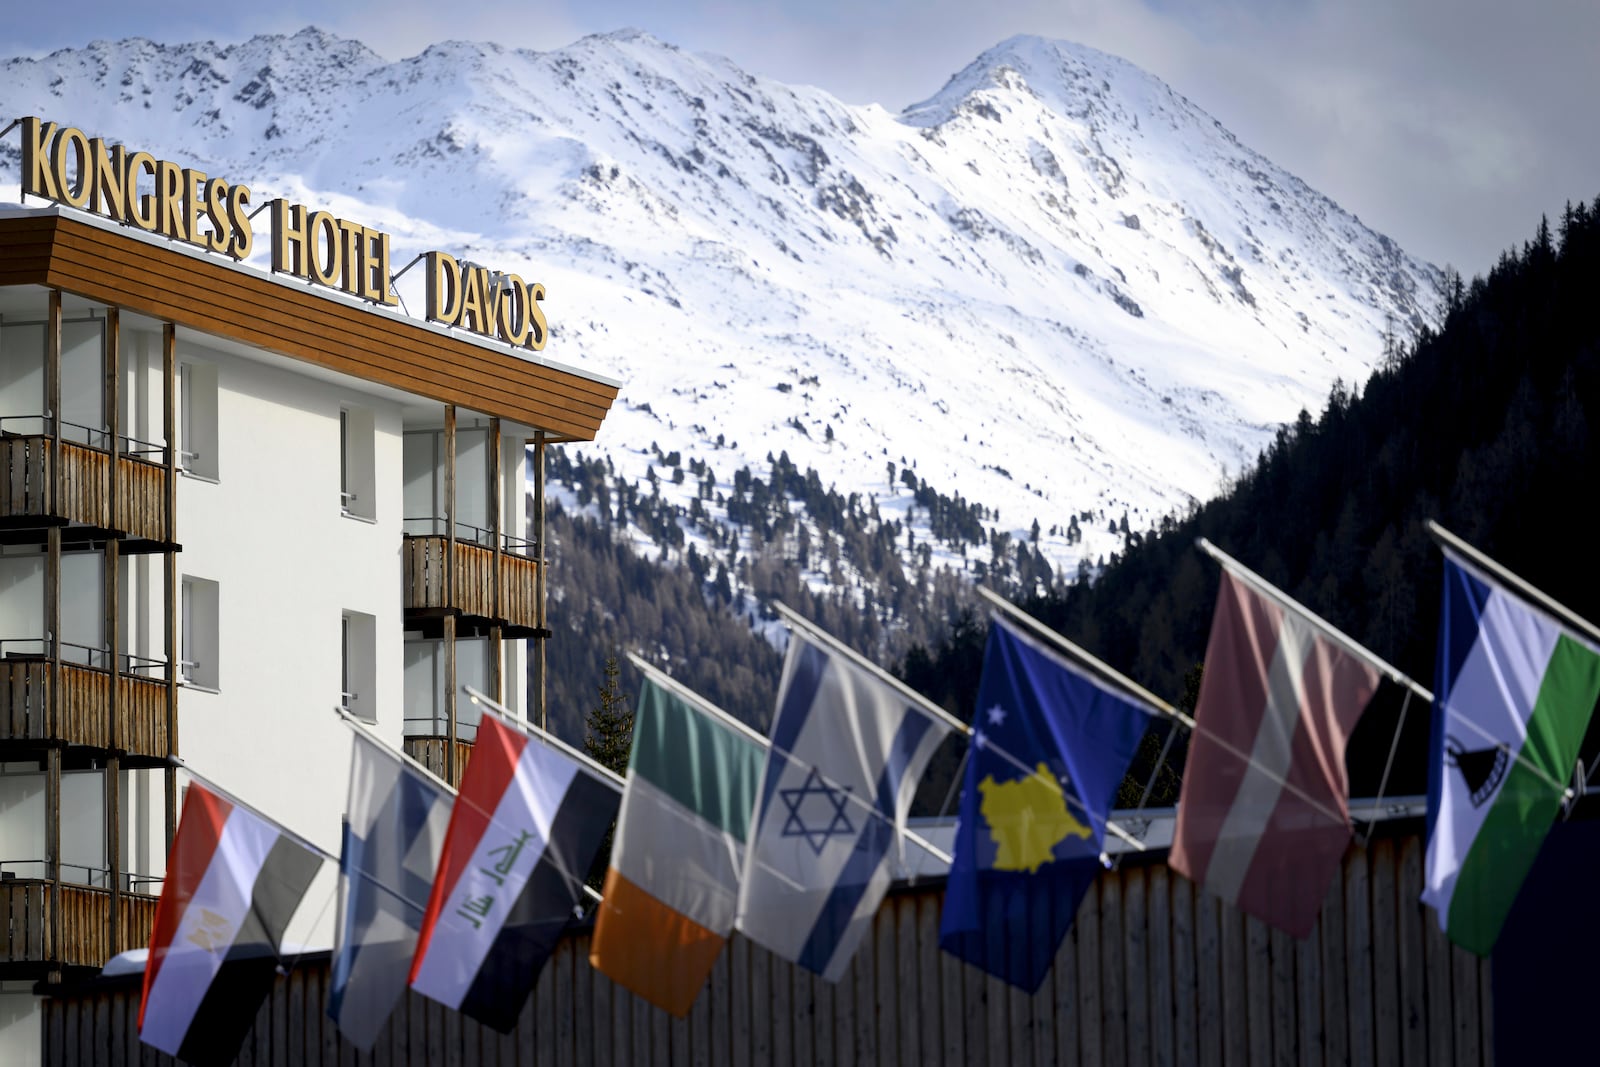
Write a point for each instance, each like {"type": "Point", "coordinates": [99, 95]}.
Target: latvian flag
{"type": "Point", "coordinates": [1263, 815]}
{"type": "Point", "coordinates": [524, 830]}
{"type": "Point", "coordinates": [233, 881]}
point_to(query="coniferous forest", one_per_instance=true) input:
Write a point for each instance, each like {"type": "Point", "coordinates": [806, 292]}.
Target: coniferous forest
{"type": "Point", "coordinates": [1482, 424]}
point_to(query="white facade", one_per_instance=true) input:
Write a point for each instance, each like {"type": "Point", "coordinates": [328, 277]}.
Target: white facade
{"type": "Point", "coordinates": [292, 513]}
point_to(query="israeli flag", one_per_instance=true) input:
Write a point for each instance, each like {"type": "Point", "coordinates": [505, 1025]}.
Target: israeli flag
{"type": "Point", "coordinates": [394, 829]}
{"type": "Point", "coordinates": [847, 752]}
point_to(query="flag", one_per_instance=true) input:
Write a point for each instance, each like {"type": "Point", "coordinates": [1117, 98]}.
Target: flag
{"type": "Point", "coordinates": [523, 833]}
{"type": "Point", "coordinates": [847, 751]}
{"type": "Point", "coordinates": [234, 879]}
{"type": "Point", "coordinates": [1049, 748]}
{"type": "Point", "coordinates": [393, 832]}
{"type": "Point", "coordinates": [1513, 695]}
{"type": "Point", "coordinates": [673, 886]}
{"type": "Point", "coordinates": [1263, 815]}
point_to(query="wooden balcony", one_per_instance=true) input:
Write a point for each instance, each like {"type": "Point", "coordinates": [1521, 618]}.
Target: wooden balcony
{"type": "Point", "coordinates": [429, 751]}
{"type": "Point", "coordinates": [28, 909]}
{"type": "Point", "coordinates": [73, 705]}
{"type": "Point", "coordinates": [27, 469]}
{"type": "Point", "coordinates": [475, 581]}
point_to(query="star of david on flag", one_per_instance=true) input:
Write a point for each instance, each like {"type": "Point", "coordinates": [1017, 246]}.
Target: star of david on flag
{"type": "Point", "coordinates": [803, 820]}
{"type": "Point", "coordinates": [847, 752]}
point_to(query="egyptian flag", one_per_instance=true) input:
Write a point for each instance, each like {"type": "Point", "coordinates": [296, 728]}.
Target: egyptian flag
{"type": "Point", "coordinates": [234, 879]}
{"type": "Point", "coordinates": [524, 830]}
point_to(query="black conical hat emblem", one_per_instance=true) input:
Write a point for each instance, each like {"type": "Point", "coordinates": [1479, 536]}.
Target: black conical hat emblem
{"type": "Point", "coordinates": [1483, 769]}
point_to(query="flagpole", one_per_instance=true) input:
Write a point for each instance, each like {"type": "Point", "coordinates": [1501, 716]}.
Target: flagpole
{"type": "Point", "coordinates": [1076, 652]}
{"type": "Point", "coordinates": [398, 755]}
{"type": "Point", "coordinates": [231, 798]}
{"type": "Point", "coordinates": [1084, 657]}
{"type": "Point", "coordinates": [666, 682]}
{"type": "Point", "coordinates": [683, 692]}
{"type": "Point", "coordinates": [1284, 600]}
{"type": "Point", "coordinates": [600, 772]}
{"type": "Point", "coordinates": [928, 707]}
{"type": "Point", "coordinates": [1562, 613]}
{"type": "Point", "coordinates": [595, 769]}
{"type": "Point", "coordinates": [795, 621]}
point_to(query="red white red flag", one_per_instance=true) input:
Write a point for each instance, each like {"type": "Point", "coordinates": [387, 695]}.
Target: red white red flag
{"type": "Point", "coordinates": [1263, 818]}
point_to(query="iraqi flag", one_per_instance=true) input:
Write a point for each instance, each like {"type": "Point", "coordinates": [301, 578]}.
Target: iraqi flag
{"type": "Point", "coordinates": [524, 830]}
{"type": "Point", "coordinates": [234, 879]}
{"type": "Point", "coordinates": [1263, 816]}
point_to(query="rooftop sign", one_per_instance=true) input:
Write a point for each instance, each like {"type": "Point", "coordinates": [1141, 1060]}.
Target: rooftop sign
{"type": "Point", "coordinates": [65, 166]}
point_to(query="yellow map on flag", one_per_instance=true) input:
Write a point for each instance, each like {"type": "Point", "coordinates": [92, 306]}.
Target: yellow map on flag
{"type": "Point", "coordinates": [1027, 819]}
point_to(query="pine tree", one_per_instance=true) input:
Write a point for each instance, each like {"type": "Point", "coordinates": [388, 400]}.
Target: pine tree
{"type": "Point", "coordinates": [608, 727]}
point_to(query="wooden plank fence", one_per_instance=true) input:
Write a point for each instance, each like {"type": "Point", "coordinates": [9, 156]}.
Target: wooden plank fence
{"type": "Point", "coordinates": [1154, 972]}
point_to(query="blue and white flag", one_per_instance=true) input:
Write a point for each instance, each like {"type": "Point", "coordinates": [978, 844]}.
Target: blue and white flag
{"type": "Point", "coordinates": [1050, 745]}
{"type": "Point", "coordinates": [392, 836]}
{"type": "Point", "coordinates": [847, 752]}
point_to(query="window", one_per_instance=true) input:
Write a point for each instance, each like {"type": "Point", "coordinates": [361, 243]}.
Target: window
{"type": "Point", "coordinates": [197, 420]}
{"type": "Point", "coordinates": [424, 695]}
{"type": "Point", "coordinates": [357, 479]}
{"type": "Point", "coordinates": [358, 667]}
{"type": "Point", "coordinates": [197, 661]}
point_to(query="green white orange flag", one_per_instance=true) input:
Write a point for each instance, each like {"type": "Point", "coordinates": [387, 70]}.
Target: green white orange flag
{"type": "Point", "coordinates": [1515, 692]}
{"type": "Point", "coordinates": [673, 886]}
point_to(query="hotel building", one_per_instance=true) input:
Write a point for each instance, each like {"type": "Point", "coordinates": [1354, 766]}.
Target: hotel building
{"type": "Point", "coordinates": [232, 499]}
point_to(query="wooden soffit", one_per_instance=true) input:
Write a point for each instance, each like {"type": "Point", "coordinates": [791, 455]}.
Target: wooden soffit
{"type": "Point", "coordinates": [104, 264]}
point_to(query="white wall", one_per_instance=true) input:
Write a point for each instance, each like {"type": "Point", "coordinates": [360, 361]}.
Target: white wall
{"type": "Point", "coordinates": [21, 1017]}
{"type": "Point", "coordinates": [269, 531]}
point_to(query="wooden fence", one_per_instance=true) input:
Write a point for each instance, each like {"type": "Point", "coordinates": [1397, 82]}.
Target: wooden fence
{"type": "Point", "coordinates": [1154, 972]}
{"type": "Point", "coordinates": [28, 923]}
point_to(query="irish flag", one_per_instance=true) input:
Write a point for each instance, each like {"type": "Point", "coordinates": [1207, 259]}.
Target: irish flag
{"type": "Point", "coordinates": [673, 887]}
{"type": "Point", "coordinates": [234, 879]}
{"type": "Point", "coordinates": [1515, 690]}
{"type": "Point", "coordinates": [522, 835]}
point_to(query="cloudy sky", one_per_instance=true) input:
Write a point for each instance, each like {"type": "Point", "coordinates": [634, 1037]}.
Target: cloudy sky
{"type": "Point", "coordinates": [1448, 124]}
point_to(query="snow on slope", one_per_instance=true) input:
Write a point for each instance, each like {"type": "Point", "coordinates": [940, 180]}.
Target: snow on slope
{"type": "Point", "coordinates": [1055, 286]}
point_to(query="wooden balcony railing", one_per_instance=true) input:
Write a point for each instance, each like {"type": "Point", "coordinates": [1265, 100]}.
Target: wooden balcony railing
{"type": "Point", "coordinates": [27, 466]}
{"type": "Point", "coordinates": [475, 579]}
{"type": "Point", "coordinates": [429, 751]}
{"type": "Point", "coordinates": [75, 706]}
{"type": "Point", "coordinates": [27, 923]}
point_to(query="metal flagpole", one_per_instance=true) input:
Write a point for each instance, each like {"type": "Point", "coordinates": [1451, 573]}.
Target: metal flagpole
{"type": "Point", "coordinates": [1563, 615]}
{"type": "Point", "coordinates": [1284, 600]}
{"type": "Point", "coordinates": [231, 798]}
{"type": "Point", "coordinates": [601, 773]}
{"type": "Point", "coordinates": [1111, 673]}
{"type": "Point", "coordinates": [595, 769]}
{"type": "Point", "coordinates": [413, 765]}
{"type": "Point", "coordinates": [1394, 673]}
{"type": "Point", "coordinates": [1551, 606]}
{"type": "Point", "coordinates": [791, 618]}
{"type": "Point", "coordinates": [666, 682]}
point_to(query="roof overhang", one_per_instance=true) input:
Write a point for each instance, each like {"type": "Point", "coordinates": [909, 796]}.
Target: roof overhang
{"type": "Point", "coordinates": [122, 267]}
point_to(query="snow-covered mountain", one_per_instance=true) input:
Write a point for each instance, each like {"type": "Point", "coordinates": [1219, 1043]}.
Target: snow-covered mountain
{"type": "Point", "coordinates": [1055, 286]}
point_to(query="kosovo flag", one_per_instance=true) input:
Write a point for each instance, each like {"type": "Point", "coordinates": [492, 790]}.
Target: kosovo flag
{"type": "Point", "coordinates": [1049, 747]}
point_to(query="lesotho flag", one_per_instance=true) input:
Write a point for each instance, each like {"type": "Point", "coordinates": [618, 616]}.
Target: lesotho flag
{"type": "Point", "coordinates": [1049, 747]}
{"type": "Point", "coordinates": [1514, 693]}
{"type": "Point", "coordinates": [524, 830]}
